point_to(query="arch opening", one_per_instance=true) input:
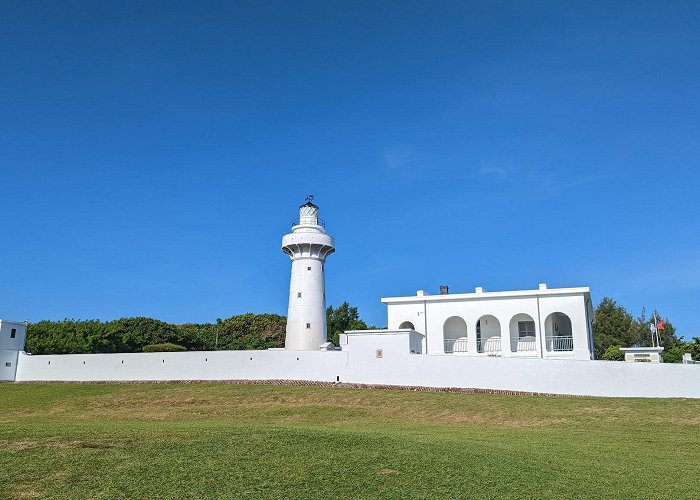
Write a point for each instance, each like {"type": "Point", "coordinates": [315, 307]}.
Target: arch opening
{"type": "Point", "coordinates": [454, 332]}
{"type": "Point", "coordinates": [406, 324]}
{"type": "Point", "coordinates": [523, 333]}
{"type": "Point", "coordinates": [488, 335]}
{"type": "Point", "coordinates": [558, 333]}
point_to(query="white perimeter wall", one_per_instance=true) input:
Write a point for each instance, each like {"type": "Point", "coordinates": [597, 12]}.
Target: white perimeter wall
{"type": "Point", "coordinates": [358, 363]}
{"type": "Point", "coordinates": [552, 376]}
{"type": "Point", "coordinates": [200, 365]}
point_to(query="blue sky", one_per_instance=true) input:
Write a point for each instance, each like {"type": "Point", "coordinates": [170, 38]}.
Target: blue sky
{"type": "Point", "coordinates": [152, 155]}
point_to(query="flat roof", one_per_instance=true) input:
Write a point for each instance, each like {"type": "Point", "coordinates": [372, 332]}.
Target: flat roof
{"type": "Point", "coordinates": [13, 322]}
{"type": "Point", "coordinates": [641, 349]}
{"type": "Point", "coordinates": [488, 295]}
{"type": "Point", "coordinates": [382, 331]}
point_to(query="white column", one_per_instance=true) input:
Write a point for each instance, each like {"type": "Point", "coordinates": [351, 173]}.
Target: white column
{"type": "Point", "coordinates": [471, 335]}
{"type": "Point", "coordinates": [505, 337]}
{"type": "Point", "coordinates": [306, 315]}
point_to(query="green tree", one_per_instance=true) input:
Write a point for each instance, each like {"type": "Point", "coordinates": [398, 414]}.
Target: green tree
{"type": "Point", "coordinates": [613, 325]}
{"type": "Point", "coordinates": [251, 331]}
{"type": "Point", "coordinates": [68, 337]}
{"type": "Point", "coordinates": [341, 319]}
{"type": "Point", "coordinates": [135, 333]}
{"type": "Point", "coordinates": [197, 336]}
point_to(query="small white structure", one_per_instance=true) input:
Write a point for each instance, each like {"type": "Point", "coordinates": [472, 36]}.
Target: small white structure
{"type": "Point", "coordinates": [542, 323]}
{"type": "Point", "coordinates": [12, 338]}
{"type": "Point", "coordinates": [393, 342]}
{"type": "Point", "coordinates": [642, 354]}
{"type": "Point", "coordinates": [687, 359]}
{"type": "Point", "coordinates": [307, 245]}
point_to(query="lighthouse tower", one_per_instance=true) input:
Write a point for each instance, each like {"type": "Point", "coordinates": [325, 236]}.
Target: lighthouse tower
{"type": "Point", "coordinates": [307, 245]}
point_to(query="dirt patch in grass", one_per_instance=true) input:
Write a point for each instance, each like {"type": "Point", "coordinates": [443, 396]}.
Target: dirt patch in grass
{"type": "Point", "coordinates": [28, 494]}
{"type": "Point", "coordinates": [387, 472]}
{"type": "Point", "coordinates": [172, 401]}
{"type": "Point", "coordinates": [486, 420]}
{"type": "Point", "coordinates": [594, 410]}
{"type": "Point", "coordinates": [684, 421]}
{"type": "Point", "coordinates": [29, 444]}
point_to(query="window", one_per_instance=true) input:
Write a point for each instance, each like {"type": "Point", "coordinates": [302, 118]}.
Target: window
{"type": "Point", "coordinates": [308, 268]}
{"type": "Point", "coordinates": [8, 364]}
{"type": "Point", "coordinates": [526, 329]}
{"type": "Point", "coordinates": [308, 326]}
{"type": "Point", "coordinates": [298, 295]}
{"type": "Point", "coordinates": [13, 333]}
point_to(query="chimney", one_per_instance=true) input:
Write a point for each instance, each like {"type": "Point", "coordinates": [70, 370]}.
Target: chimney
{"type": "Point", "coordinates": [543, 286]}
{"type": "Point", "coordinates": [444, 289]}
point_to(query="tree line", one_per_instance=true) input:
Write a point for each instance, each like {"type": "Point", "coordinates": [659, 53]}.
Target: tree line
{"type": "Point", "coordinates": [244, 331]}
{"type": "Point", "coordinates": [613, 327]}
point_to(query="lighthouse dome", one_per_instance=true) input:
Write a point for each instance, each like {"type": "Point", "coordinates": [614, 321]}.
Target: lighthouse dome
{"type": "Point", "coordinates": [308, 213]}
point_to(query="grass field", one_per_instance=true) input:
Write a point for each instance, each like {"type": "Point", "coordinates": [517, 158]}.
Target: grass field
{"type": "Point", "coordinates": [209, 440]}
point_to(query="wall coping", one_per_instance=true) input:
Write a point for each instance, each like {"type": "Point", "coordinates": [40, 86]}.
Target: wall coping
{"type": "Point", "coordinates": [488, 295]}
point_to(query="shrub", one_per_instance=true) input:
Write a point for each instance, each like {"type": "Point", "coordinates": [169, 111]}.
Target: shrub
{"type": "Point", "coordinates": [613, 353]}
{"type": "Point", "coordinates": [167, 347]}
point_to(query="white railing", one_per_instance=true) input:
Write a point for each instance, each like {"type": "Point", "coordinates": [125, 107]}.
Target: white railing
{"type": "Point", "coordinates": [523, 344]}
{"type": "Point", "coordinates": [455, 345]}
{"type": "Point", "coordinates": [491, 345]}
{"type": "Point", "coordinates": [560, 343]}
{"type": "Point", "coordinates": [308, 220]}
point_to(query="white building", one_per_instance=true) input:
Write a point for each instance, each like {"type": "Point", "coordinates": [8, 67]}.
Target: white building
{"type": "Point", "coordinates": [542, 323]}
{"type": "Point", "coordinates": [12, 337]}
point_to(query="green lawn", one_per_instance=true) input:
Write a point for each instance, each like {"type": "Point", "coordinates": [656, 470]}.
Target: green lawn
{"type": "Point", "coordinates": [209, 440]}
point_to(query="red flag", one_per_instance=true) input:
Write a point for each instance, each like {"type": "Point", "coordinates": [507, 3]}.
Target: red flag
{"type": "Point", "coordinates": [660, 325]}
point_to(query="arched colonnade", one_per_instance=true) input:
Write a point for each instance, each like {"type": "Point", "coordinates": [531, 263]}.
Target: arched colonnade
{"type": "Point", "coordinates": [522, 334]}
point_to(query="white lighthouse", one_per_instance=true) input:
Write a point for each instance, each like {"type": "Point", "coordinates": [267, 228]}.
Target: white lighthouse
{"type": "Point", "coordinates": [307, 245]}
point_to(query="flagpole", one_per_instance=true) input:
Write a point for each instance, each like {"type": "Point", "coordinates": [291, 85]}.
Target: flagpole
{"type": "Point", "coordinates": [656, 328]}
